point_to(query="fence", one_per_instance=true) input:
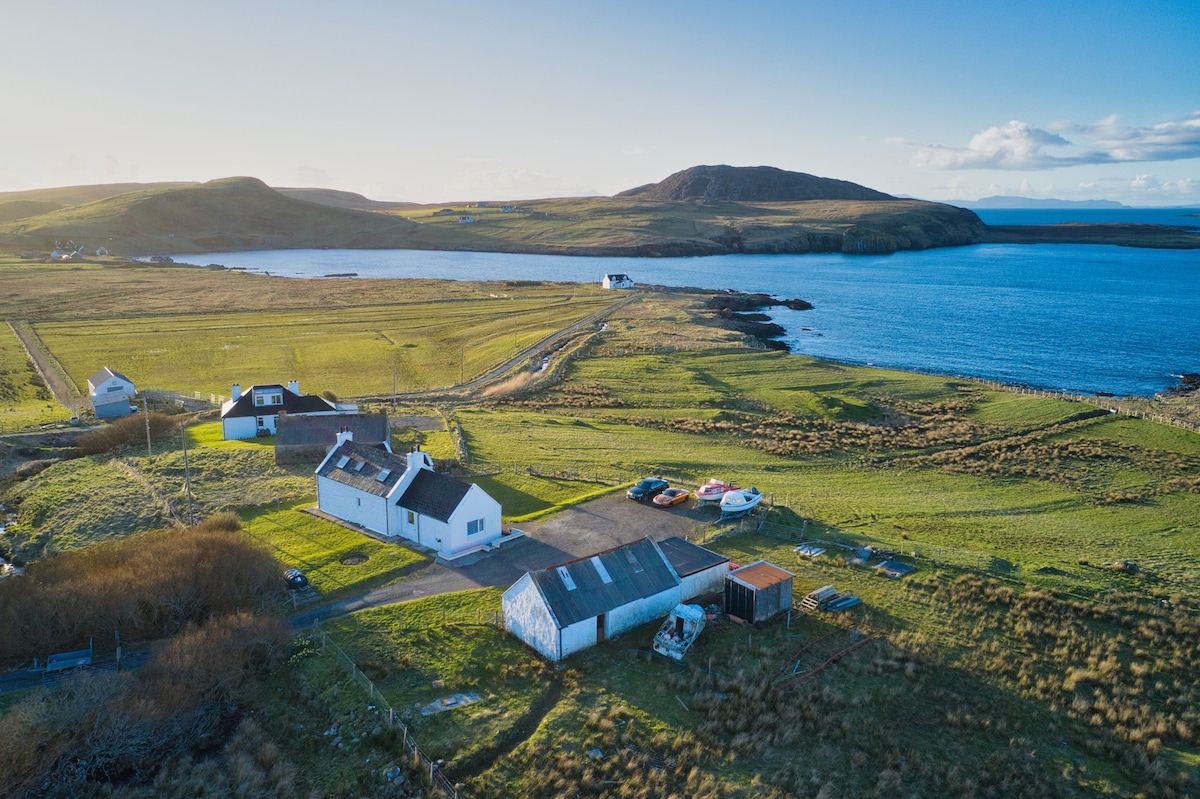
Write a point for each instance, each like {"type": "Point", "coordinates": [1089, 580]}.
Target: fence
{"type": "Point", "coordinates": [194, 401]}
{"type": "Point", "coordinates": [1115, 404]}
{"type": "Point", "coordinates": [438, 781]}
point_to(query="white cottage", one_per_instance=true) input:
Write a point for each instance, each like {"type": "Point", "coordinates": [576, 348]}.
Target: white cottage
{"type": "Point", "coordinates": [403, 497]}
{"type": "Point", "coordinates": [110, 393]}
{"type": "Point", "coordinates": [568, 608]}
{"type": "Point", "coordinates": [255, 412]}
{"type": "Point", "coordinates": [617, 281]}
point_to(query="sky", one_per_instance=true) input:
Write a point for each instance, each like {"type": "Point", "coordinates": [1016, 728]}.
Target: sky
{"type": "Point", "coordinates": [464, 100]}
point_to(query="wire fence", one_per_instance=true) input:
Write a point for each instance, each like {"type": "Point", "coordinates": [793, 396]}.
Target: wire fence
{"type": "Point", "coordinates": [1114, 404]}
{"type": "Point", "coordinates": [439, 783]}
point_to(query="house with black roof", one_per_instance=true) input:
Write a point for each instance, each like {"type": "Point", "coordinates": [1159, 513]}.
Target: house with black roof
{"type": "Point", "coordinates": [564, 609]}
{"type": "Point", "coordinates": [255, 411]}
{"type": "Point", "coordinates": [404, 498]}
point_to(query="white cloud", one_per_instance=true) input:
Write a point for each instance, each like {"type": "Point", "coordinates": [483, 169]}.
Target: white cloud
{"type": "Point", "coordinates": [1021, 146]}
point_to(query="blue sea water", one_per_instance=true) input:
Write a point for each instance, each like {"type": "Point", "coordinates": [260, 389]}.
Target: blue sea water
{"type": "Point", "coordinates": [1085, 319]}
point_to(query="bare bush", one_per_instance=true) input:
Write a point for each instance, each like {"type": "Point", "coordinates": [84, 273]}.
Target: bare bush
{"type": "Point", "coordinates": [127, 432]}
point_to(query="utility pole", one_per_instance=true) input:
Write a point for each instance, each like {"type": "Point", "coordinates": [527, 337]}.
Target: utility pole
{"type": "Point", "coordinates": [146, 413]}
{"type": "Point", "coordinates": [187, 477]}
{"type": "Point", "coordinates": [462, 365]}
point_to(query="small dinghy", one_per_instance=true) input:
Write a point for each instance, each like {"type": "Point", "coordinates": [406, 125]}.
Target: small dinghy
{"type": "Point", "coordinates": [735, 503]}
{"type": "Point", "coordinates": [713, 490]}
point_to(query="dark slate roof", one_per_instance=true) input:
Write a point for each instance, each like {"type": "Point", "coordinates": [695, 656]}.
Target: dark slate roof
{"type": "Point", "coordinates": [303, 431]}
{"type": "Point", "coordinates": [688, 558]}
{"type": "Point", "coordinates": [637, 571]}
{"type": "Point", "coordinates": [292, 403]}
{"type": "Point", "coordinates": [373, 461]}
{"type": "Point", "coordinates": [104, 374]}
{"type": "Point", "coordinates": [434, 495]}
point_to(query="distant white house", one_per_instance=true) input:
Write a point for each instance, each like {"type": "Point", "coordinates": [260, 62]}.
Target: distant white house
{"type": "Point", "coordinates": [617, 281]}
{"type": "Point", "coordinates": [110, 393]}
{"type": "Point", "coordinates": [403, 497]}
{"type": "Point", "coordinates": [255, 412]}
{"type": "Point", "coordinates": [567, 608]}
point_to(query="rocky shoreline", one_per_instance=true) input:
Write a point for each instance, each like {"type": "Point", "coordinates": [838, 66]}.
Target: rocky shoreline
{"type": "Point", "coordinates": [740, 311]}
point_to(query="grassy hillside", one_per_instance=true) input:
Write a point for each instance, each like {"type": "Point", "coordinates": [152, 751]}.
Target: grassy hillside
{"type": "Point", "coordinates": [243, 213]}
{"type": "Point", "coordinates": [228, 214]}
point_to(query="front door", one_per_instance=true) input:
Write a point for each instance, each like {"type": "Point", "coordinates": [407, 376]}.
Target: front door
{"type": "Point", "coordinates": [600, 629]}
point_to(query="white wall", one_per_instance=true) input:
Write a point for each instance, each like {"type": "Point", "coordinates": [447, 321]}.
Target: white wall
{"type": "Point", "coordinates": [352, 505]}
{"type": "Point", "coordinates": [475, 504]}
{"type": "Point", "coordinates": [703, 583]}
{"type": "Point", "coordinates": [579, 636]}
{"type": "Point", "coordinates": [635, 614]}
{"type": "Point", "coordinates": [239, 427]}
{"type": "Point", "coordinates": [527, 617]}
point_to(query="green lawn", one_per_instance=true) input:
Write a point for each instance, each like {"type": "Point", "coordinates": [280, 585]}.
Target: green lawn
{"type": "Point", "coordinates": [336, 560]}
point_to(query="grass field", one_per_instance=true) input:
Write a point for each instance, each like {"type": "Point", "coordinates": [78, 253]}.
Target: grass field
{"type": "Point", "coordinates": [25, 402]}
{"type": "Point", "coordinates": [352, 352]}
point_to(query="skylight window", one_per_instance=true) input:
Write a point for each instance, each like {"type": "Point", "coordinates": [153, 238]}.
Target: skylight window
{"type": "Point", "coordinates": [605, 577]}
{"type": "Point", "coordinates": [382, 476]}
{"type": "Point", "coordinates": [342, 461]}
{"type": "Point", "coordinates": [358, 466]}
{"type": "Point", "coordinates": [567, 579]}
{"type": "Point", "coordinates": [633, 561]}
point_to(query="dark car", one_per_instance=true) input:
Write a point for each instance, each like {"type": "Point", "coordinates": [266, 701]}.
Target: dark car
{"type": "Point", "coordinates": [647, 488]}
{"type": "Point", "coordinates": [295, 579]}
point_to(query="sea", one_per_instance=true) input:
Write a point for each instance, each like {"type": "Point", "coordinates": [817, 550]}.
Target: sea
{"type": "Point", "coordinates": [1086, 319]}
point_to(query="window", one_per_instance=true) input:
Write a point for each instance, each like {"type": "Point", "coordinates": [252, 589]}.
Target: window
{"type": "Point", "coordinates": [342, 461]}
{"type": "Point", "coordinates": [358, 501]}
{"type": "Point", "coordinates": [605, 577]}
{"type": "Point", "coordinates": [383, 476]}
{"type": "Point", "coordinates": [258, 399]}
{"type": "Point", "coordinates": [565, 576]}
{"type": "Point", "coordinates": [475, 527]}
{"type": "Point", "coordinates": [412, 518]}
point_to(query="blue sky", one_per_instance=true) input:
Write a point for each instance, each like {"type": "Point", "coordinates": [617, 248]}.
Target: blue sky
{"type": "Point", "coordinates": [433, 102]}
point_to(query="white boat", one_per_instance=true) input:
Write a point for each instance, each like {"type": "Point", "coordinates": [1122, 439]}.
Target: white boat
{"type": "Point", "coordinates": [679, 631]}
{"type": "Point", "coordinates": [713, 490]}
{"type": "Point", "coordinates": [743, 500]}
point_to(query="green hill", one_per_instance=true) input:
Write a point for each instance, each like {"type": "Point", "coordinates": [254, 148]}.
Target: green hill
{"type": "Point", "coordinates": [221, 215]}
{"type": "Point", "coordinates": [751, 184]}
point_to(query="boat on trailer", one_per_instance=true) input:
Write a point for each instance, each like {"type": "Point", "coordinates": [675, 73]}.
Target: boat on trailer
{"type": "Point", "coordinates": [680, 630]}
{"type": "Point", "coordinates": [713, 490]}
{"type": "Point", "coordinates": [741, 501]}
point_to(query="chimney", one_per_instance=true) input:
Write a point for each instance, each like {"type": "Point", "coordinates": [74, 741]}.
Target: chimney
{"type": "Point", "coordinates": [235, 393]}
{"type": "Point", "coordinates": [419, 460]}
{"type": "Point", "coordinates": [344, 435]}
{"type": "Point", "coordinates": [294, 386]}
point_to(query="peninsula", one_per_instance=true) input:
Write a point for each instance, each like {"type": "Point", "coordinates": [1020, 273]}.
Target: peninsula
{"type": "Point", "coordinates": [704, 210]}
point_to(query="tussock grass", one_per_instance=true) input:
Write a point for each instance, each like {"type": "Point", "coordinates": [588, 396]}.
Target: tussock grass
{"type": "Point", "coordinates": [25, 402]}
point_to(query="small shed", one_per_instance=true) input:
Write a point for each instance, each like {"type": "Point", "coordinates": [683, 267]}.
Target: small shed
{"type": "Point", "coordinates": [617, 281]}
{"type": "Point", "coordinates": [758, 591]}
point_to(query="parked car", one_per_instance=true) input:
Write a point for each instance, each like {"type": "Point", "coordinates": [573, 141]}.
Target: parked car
{"type": "Point", "coordinates": [295, 579]}
{"type": "Point", "coordinates": [647, 488]}
{"type": "Point", "coordinates": [672, 496]}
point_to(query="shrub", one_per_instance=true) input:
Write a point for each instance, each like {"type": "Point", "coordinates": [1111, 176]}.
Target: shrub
{"type": "Point", "coordinates": [127, 432]}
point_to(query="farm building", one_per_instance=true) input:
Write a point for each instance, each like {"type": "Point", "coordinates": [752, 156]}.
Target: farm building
{"type": "Point", "coordinates": [109, 393]}
{"type": "Point", "coordinates": [701, 571]}
{"type": "Point", "coordinates": [255, 412]}
{"type": "Point", "coordinates": [307, 439]}
{"type": "Point", "coordinates": [617, 281]}
{"type": "Point", "coordinates": [568, 608]}
{"type": "Point", "coordinates": [405, 498]}
{"type": "Point", "coordinates": [758, 591]}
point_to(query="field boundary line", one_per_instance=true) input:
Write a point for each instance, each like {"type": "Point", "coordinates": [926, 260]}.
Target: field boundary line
{"type": "Point", "coordinates": [55, 378]}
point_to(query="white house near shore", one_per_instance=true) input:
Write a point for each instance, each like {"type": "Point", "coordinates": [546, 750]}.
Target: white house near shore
{"type": "Point", "coordinates": [403, 497]}
{"type": "Point", "coordinates": [255, 412]}
{"type": "Point", "coordinates": [617, 281]}
{"type": "Point", "coordinates": [110, 393]}
{"type": "Point", "coordinates": [565, 609]}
